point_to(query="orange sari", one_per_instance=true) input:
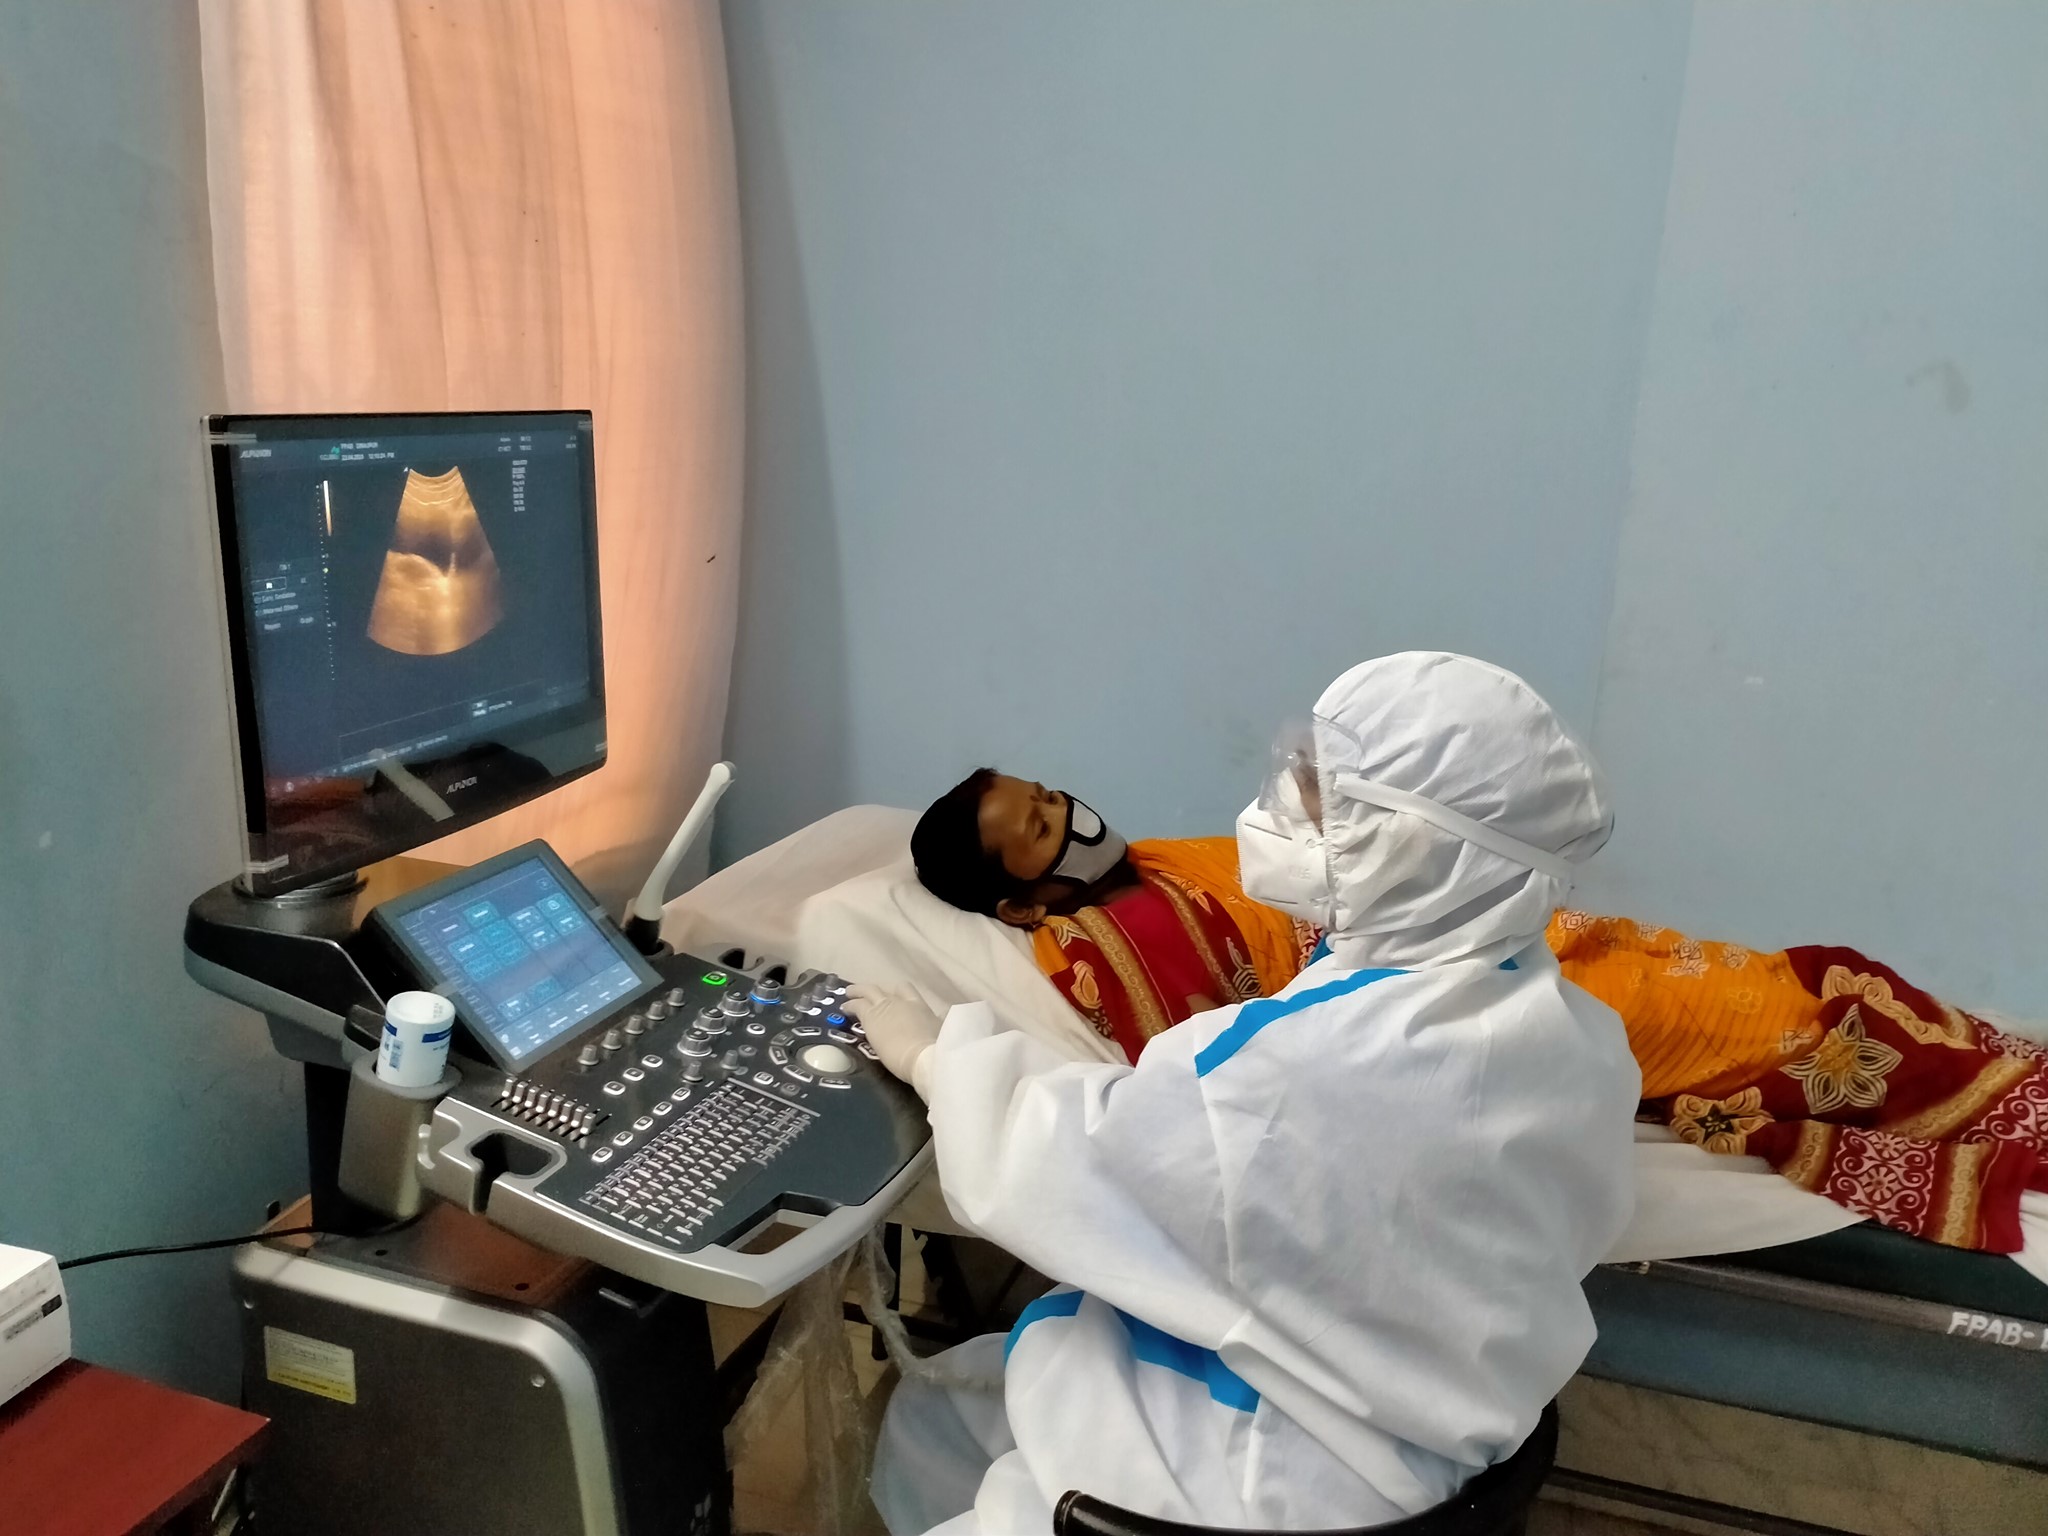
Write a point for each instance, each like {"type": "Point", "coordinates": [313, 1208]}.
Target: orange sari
{"type": "Point", "coordinates": [1702, 1017]}
{"type": "Point", "coordinates": [1846, 1078]}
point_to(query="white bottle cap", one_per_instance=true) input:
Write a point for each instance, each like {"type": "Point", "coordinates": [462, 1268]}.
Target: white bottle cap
{"type": "Point", "coordinates": [414, 1050]}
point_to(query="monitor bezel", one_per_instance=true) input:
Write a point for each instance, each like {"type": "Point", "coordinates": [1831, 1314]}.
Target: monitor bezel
{"type": "Point", "coordinates": [225, 431]}
{"type": "Point", "coordinates": [386, 919]}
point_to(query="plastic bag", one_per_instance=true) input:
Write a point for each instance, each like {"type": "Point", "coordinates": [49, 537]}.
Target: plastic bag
{"type": "Point", "coordinates": [810, 1358]}
{"type": "Point", "coordinates": [939, 1370]}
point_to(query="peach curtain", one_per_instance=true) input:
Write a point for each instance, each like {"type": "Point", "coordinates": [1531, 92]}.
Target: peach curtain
{"type": "Point", "coordinates": [503, 204]}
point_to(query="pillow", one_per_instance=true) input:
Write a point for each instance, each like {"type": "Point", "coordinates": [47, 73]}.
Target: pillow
{"type": "Point", "coordinates": [885, 928]}
{"type": "Point", "coordinates": [753, 903]}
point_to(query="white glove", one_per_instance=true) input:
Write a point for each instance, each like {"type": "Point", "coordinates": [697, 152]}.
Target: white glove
{"type": "Point", "coordinates": [899, 1027]}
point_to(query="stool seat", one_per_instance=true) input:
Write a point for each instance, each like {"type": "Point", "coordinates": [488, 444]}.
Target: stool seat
{"type": "Point", "coordinates": [1495, 1503]}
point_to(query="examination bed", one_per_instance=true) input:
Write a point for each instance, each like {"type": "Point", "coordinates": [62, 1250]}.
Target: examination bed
{"type": "Point", "coordinates": [1863, 1328]}
{"type": "Point", "coordinates": [1732, 1287]}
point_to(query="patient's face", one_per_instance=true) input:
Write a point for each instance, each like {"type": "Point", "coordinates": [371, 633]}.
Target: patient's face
{"type": "Point", "coordinates": [1024, 823]}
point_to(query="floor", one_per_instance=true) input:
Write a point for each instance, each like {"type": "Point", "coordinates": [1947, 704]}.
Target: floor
{"type": "Point", "coordinates": [1550, 1519]}
{"type": "Point", "coordinates": [1826, 1477]}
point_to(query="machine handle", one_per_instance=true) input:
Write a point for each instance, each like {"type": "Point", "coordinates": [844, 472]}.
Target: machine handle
{"type": "Point", "coordinates": [726, 1276]}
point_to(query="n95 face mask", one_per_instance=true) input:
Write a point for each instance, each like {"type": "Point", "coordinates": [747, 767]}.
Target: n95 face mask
{"type": "Point", "coordinates": [1090, 851]}
{"type": "Point", "coordinates": [1283, 862]}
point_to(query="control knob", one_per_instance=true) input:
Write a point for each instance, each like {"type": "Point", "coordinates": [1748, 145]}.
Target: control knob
{"type": "Point", "coordinates": [636, 1024]}
{"type": "Point", "coordinates": [613, 1039]}
{"type": "Point", "coordinates": [588, 1056]}
{"type": "Point", "coordinates": [678, 996]}
{"type": "Point", "coordinates": [657, 1011]}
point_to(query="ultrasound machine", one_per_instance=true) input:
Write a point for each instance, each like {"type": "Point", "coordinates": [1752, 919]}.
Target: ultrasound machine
{"type": "Point", "coordinates": [498, 1322]}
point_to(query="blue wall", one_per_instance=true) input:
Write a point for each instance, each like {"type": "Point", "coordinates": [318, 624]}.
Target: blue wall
{"type": "Point", "coordinates": [1121, 372]}
{"type": "Point", "coordinates": [134, 1108]}
{"type": "Point", "coordinates": [1825, 702]}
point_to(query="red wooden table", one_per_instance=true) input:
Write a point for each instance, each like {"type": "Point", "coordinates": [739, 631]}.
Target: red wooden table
{"type": "Point", "coordinates": [91, 1452]}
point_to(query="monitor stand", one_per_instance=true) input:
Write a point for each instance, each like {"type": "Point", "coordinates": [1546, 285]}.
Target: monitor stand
{"type": "Point", "coordinates": [300, 960]}
{"type": "Point", "coordinates": [319, 891]}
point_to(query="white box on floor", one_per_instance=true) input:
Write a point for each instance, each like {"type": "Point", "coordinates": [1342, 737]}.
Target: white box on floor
{"type": "Point", "coordinates": [35, 1328]}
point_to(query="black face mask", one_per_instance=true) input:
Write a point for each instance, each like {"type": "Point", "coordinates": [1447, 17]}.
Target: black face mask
{"type": "Point", "coordinates": [1090, 851]}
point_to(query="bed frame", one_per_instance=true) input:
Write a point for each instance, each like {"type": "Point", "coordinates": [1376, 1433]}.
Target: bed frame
{"type": "Point", "coordinates": [1863, 1329]}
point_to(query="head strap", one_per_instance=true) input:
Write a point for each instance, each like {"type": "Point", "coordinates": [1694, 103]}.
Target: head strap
{"type": "Point", "coordinates": [1442, 817]}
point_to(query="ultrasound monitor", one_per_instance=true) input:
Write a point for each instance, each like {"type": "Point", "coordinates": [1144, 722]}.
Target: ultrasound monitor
{"type": "Point", "coordinates": [412, 621]}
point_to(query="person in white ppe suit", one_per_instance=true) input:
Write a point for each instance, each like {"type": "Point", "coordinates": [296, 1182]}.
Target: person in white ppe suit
{"type": "Point", "coordinates": [1319, 1253]}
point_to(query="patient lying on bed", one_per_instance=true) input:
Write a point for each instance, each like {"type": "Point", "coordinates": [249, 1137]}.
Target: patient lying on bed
{"type": "Point", "coordinates": [1850, 1081]}
{"type": "Point", "coordinates": [1164, 933]}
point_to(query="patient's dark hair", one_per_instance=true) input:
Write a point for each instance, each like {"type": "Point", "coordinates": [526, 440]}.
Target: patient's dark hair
{"type": "Point", "coordinates": [951, 862]}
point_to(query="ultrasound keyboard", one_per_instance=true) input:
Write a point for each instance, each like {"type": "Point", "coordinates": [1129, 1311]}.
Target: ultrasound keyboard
{"type": "Point", "coordinates": [670, 1189]}
{"type": "Point", "coordinates": [663, 1136]}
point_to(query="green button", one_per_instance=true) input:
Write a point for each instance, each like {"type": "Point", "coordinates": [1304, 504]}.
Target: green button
{"type": "Point", "coordinates": [715, 978]}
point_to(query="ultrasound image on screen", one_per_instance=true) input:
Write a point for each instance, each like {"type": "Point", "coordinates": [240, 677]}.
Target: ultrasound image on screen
{"type": "Point", "coordinates": [408, 593]}
{"type": "Point", "coordinates": [439, 591]}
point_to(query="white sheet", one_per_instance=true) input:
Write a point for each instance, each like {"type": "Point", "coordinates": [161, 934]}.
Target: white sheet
{"type": "Point", "coordinates": [1690, 1201]}
{"type": "Point", "coordinates": [841, 895]}
{"type": "Point", "coordinates": [754, 903]}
